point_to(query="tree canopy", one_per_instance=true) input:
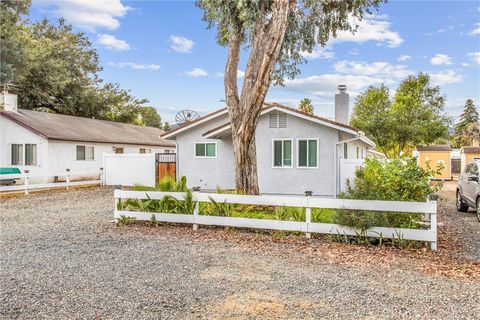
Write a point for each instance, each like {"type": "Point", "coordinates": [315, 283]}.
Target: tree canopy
{"type": "Point", "coordinates": [468, 119]}
{"type": "Point", "coordinates": [414, 116]}
{"type": "Point", "coordinates": [53, 68]}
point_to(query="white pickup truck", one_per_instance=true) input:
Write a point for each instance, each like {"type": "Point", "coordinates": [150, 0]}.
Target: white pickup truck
{"type": "Point", "coordinates": [468, 188]}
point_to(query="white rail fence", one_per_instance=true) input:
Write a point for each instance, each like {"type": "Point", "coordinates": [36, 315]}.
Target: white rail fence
{"type": "Point", "coordinates": [429, 209]}
{"type": "Point", "coordinates": [27, 178]}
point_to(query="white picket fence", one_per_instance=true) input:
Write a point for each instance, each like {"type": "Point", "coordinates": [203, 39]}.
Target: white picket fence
{"type": "Point", "coordinates": [429, 209]}
{"type": "Point", "coordinates": [27, 186]}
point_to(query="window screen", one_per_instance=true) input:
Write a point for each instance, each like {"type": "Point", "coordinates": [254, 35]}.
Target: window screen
{"type": "Point", "coordinates": [307, 153]}
{"type": "Point", "coordinates": [17, 154]}
{"type": "Point", "coordinates": [282, 153]}
{"type": "Point", "coordinates": [205, 150]}
{"type": "Point", "coordinates": [30, 154]}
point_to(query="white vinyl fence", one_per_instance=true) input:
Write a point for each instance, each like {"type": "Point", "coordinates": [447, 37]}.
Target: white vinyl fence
{"type": "Point", "coordinates": [129, 169]}
{"type": "Point", "coordinates": [429, 209]}
{"type": "Point", "coordinates": [347, 170]}
{"type": "Point", "coordinates": [23, 181]}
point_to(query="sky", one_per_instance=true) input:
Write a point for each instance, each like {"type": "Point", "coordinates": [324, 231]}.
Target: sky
{"type": "Point", "coordinates": [163, 51]}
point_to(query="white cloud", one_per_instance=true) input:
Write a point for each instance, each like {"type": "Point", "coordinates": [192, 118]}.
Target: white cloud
{"type": "Point", "coordinates": [319, 53]}
{"type": "Point", "coordinates": [404, 57]}
{"type": "Point", "coordinates": [371, 28]}
{"type": "Point", "coordinates": [111, 42]}
{"type": "Point", "coordinates": [89, 14]}
{"type": "Point", "coordinates": [446, 77]}
{"type": "Point", "coordinates": [377, 69]}
{"type": "Point", "coordinates": [475, 56]}
{"type": "Point", "coordinates": [181, 44]}
{"type": "Point", "coordinates": [356, 75]}
{"type": "Point", "coordinates": [476, 30]}
{"type": "Point", "coordinates": [240, 74]}
{"type": "Point", "coordinates": [354, 52]}
{"type": "Point", "coordinates": [441, 30]}
{"type": "Point", "coordinates": [441, 59]}
{"type": "Point", "coordinates": [196, 72]}
{"type": "Point", "coordinates": [134, 66]}
{"type": "Point", "coordinates": [465, 64]}
{"type": "Point", "coordinates": [325, 85]}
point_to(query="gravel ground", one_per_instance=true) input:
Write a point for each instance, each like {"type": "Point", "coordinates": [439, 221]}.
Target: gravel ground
{"type": "Point", "coordinates": [62, 258]}
{"type": "Point", "coordinates": [464, 226]}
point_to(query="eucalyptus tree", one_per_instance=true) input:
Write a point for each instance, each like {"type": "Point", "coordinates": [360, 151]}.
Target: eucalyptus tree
{"type": "Point", "coordinates": [276, 33]}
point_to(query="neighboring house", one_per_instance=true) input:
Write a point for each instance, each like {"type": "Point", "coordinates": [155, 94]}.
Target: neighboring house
{"type": "Point", "coordinates": [469, 154]}
{"type": "Point", "coordinates": [434, 155]}
{"type": "Point", "coordinates": [296, 151]}
{"type": "Point", "coordinates": [48, 144]}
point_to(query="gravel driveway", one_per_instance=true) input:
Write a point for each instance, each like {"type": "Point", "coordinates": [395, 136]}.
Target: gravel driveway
{"type": "Point", "coordinates": [62, 258]}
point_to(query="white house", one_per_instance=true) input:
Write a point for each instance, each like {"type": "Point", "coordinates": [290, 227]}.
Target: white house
{"type": "Point", "coordinates": [47, 144]}
{"type": "Point", "coordinates": [296, 151]}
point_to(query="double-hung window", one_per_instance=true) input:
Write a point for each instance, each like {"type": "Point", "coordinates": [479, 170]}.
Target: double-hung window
{"type": "Point", "coordinates": [307, 153]}
{"type": "Point", "coordinates": [205, 150]}
{"type": "Point", "coordinates": [282, 153]}
{"type": "Point", "coordinates": [30, 154]}
{"type": "Point", "coordinates": [17, 154]}
{"type": "Point", "coordinates": [85, 153]}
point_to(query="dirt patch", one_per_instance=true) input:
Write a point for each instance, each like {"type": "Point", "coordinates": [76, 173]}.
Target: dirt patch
{"type": "Point", "coordinates": [263, 305]}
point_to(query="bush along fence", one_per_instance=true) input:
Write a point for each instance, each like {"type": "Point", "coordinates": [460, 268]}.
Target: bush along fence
{"type": "Point", "coordinates": [26, 181]}
{"type": "Point", "coordinates": [396, 219]}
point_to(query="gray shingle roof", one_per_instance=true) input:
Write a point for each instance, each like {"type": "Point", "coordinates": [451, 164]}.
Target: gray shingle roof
{"type": "Point", "coordinates": [470, 149]}
{"type": "Point", "coordinates": [69, 128]}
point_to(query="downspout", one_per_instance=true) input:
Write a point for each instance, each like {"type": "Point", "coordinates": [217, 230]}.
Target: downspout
{"type": "Point", "coordinates": [335, 173]}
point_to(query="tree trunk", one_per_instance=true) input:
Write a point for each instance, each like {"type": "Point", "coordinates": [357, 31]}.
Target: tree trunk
{"type": "Point", "coordinates": [244, 111]}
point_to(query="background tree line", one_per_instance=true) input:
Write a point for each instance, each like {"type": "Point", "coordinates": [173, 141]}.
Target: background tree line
{"type": "Point", "coordinates": [54, 69]}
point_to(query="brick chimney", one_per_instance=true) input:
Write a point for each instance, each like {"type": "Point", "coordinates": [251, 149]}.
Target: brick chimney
{"type": "Point", "coordinates": [8, 101]}
{"type": "Point", "coordinates": [342, 109]}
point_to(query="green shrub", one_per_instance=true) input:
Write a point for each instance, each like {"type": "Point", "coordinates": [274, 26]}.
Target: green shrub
{"type": "Point", "coordinates": [166, 184]}
{"type": "Point", "coordinates": [395, 180]}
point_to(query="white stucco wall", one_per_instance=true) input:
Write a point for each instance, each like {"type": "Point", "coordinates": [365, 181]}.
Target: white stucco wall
{"type": "Point", "coordinates": [12, 133]}
{"type": "Point", "coordinates": [295, 180]}
{"type": "Point", "coordinates": [207, 173]}
{"type": "Point", "coordinates": [54, 157]}
{"type": "Point", "coordinates": [212, 172]}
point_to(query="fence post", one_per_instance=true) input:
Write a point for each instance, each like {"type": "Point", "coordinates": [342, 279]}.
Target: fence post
{"type": "Point", "coordinates": [433, 222]}
{"type": "Point", "coordinates": [101, 177]}
{"type": "Point", "coordinates": [195, 190]}
{"type": "Point", "coordinates": [308, 214]}
{"type": "Point", "coordinates": [67, 175]}
{"type": "Point", "coordinates": [27, 181]}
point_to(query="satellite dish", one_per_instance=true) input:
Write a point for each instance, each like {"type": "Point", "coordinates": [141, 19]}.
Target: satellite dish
{"type": "Point", "coordinates": [186, 116]}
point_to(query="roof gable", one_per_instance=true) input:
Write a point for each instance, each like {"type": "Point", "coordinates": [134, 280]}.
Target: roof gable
{"type": "Point", "coordinates": [267, 108]}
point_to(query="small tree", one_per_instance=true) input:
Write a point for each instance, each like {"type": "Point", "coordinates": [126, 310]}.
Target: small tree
{"type": "Point", "coordinates": [306, 106]}
{"type": "Point", "coordinates": [166, 127]}
{"type": "Point", "coordinates": [414, 116]}
{"type": "Point", "coordinates": [468, 119]}
{"type": "Point", "coordinates": [150, 117]}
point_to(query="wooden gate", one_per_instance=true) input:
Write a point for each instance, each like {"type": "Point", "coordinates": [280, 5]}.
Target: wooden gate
{"type": "Point", "coordinates": [166, 165]}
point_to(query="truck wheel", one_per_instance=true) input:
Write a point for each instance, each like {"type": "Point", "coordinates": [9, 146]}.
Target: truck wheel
{"type": "Point", "coordinates": [461, 206]}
